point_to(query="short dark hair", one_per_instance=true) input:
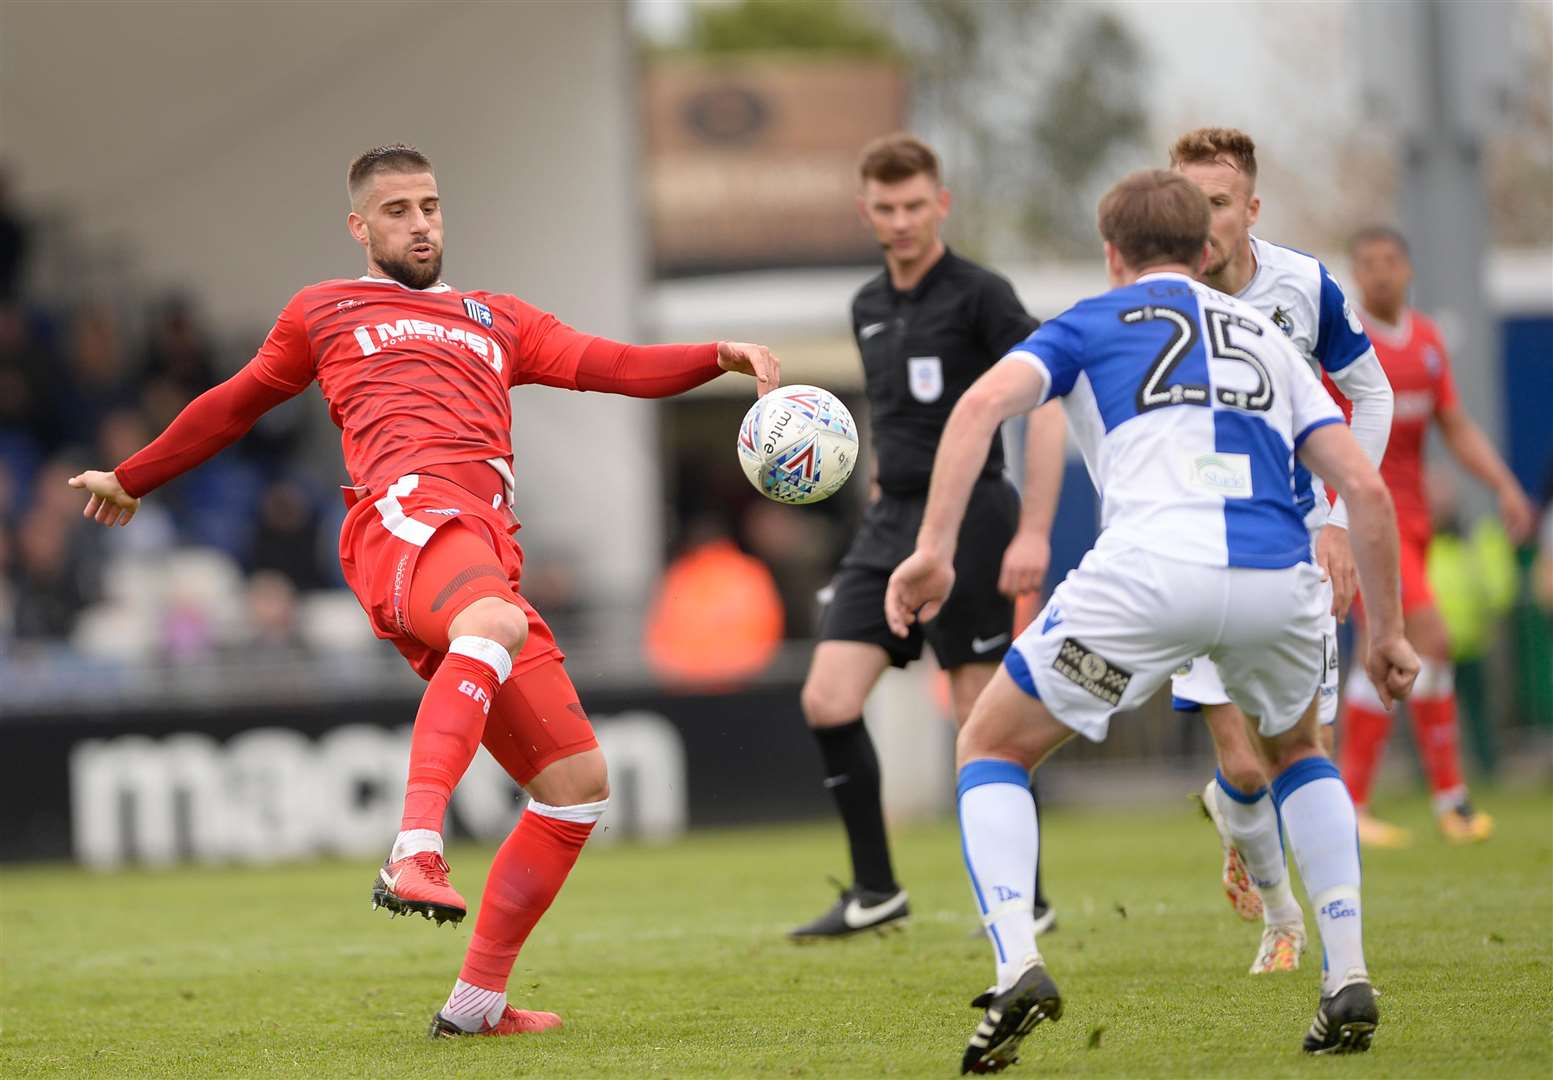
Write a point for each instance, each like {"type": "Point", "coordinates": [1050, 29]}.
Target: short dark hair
{"type": "Point", "coordinates": [1155, 216]}
{"type": "Point", "coordinates": [395, 157]}
{"type": "Point", "coordinates": [890, 159]}
{"type": "Point", "coordinates": [1207, 145]}
{"type": "Point", "coordinates": [1372, 233]}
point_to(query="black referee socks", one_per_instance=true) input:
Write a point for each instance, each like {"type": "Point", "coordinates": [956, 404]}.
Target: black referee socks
{"type": "Point", "coordinates": [852, 775]}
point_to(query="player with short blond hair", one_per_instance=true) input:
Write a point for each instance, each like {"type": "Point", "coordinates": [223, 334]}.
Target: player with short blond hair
{"type": "Point", "coordinates": [1304, 301]}
{"type": "Point", "coordinates": [1191, 409]}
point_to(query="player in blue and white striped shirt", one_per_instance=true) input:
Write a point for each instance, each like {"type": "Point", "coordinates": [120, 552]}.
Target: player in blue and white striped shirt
{"type": "Point", "coordinates": [1190, 408]}
{"type": "Point", "coordinates": [1303, 300]}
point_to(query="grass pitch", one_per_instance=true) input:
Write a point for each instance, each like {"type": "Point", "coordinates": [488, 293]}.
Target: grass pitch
{"type": "Point", "coordinates": [670, 962]}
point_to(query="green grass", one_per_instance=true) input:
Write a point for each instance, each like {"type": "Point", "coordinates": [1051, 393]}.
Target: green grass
{"type": "Point", "coordinates": [670, 962]}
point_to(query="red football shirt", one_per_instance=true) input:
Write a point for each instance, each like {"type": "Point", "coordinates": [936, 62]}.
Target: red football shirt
{"type": "Point", "coordinates": [413, 378]}
{"type": "Point", "coordinates": [416, 378]}
{"type": "Point", "coordinates": [1413, 356]}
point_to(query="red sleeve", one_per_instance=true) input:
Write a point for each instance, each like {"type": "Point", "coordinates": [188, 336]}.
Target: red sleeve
{"type": "Point", "coordinates": [208, 424]}
{"type": "Point", "coordinates": [553, 354]}
{"type": "Point", "coordinates": [1444, 383]}
{"type": "Point", "coordinates": [285, 360]}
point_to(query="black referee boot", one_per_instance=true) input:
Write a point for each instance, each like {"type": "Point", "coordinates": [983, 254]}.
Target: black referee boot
{"type": "Point", "coordinates": [855, 911]}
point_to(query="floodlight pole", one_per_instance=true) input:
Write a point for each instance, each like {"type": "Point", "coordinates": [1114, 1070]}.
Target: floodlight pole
{"type": "Point", "coordinates": [1438, 71]}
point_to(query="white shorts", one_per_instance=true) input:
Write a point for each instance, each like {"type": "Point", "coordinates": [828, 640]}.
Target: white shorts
{"type": "Point", "coordinates": [1198, 683]}
{"type": "Point", "coordinates": [1121, 624]}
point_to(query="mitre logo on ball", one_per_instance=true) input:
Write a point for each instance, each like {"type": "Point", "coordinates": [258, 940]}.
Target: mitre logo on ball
{"type": "Point", "coordinates": [798, 444]}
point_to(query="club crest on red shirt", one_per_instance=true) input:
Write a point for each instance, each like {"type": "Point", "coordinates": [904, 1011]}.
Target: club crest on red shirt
{"type": "Point", "coordinates": [478, 312]}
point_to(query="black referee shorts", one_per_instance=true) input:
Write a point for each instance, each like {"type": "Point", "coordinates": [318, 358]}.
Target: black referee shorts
{"type": "Point", "coordinates": [976, 624]}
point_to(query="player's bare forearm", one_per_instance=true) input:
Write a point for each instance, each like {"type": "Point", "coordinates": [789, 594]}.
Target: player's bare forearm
{"type": "Point", "coordinates": [1333, 454]}
{"type": "Point", "coordinates": [1046, 438]}
{"type": "Point", "coordinates": [1365, 385]}
{"type": "Point", "coordinates": [1007, 388]}
{"type": "Point", "coordinates": [1473, 449]}
{"type": "Point", "coordinates": [1372, 533]}
{"type": "Point", "coordinates": [961, 452]}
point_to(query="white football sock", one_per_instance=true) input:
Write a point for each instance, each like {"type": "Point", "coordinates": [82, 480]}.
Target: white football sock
{"type": "Point", "coordinates": [413, 841]}
{"type": "Point", "coordinates": [1319, 818]}
{"type": "Point", "coordinates": [474, 1008]}
{"type": "Point", "coordinates": [1252, 823]}
{"type": "Point", "coordinates": [1000, 837]}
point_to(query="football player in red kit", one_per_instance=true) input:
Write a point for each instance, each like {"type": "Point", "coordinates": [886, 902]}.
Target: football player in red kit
{"type": "Point", "coordinates": [1413, 355]}
{"type": "Point", "coordinates": [417, 376]}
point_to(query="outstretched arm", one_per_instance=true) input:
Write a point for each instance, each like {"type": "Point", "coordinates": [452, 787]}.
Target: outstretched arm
{"type": "Point", "coordinates": [1472, 448]}
{"type": "Point", "coordinates": [920, 585]}
{"type": "Point", "coordinates": [555, 354]}
{"type": "Point", "coordinates": [1029, 554]}
{"type": "Point", "coordinates": [1363, 382]}
{"type": "Point", "coordinates": [1332, 453]}
{"type": "Point", "coordinates": [207, 425]}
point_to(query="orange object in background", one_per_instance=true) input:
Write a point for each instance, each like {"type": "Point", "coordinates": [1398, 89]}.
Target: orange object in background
{"type": "Point", "coordinates": [1026, 607]}
{"type": "Point", "coordinates": [717, 619]}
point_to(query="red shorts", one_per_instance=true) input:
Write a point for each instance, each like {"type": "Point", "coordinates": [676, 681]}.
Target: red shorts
{"type": "Point", "coordinates": [418, 554]}
{"type": "Point", "coordinates": [1413, 567]}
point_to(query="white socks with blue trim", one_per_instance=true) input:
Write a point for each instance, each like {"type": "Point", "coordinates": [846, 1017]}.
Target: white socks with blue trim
{"type": "Point", "coordinates": [1000, 838]}
{"type": "Point", "coordinates": [1318, 816]}
{"type": "Point", "coordinates": [1252, 824]}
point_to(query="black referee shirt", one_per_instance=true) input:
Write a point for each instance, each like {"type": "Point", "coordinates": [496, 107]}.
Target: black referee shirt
{"type": "Point", "coordinates": [921, 350]}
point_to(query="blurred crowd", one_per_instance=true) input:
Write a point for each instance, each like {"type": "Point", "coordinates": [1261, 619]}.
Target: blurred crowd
{"type": "Point", "coordinates": [237, 559]}
{"type": "Point", "coordinates": [87, 385]}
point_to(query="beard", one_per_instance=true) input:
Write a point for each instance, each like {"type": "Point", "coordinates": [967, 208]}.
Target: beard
{"type": "Point", "coordinates": [411, 273]}
{"type": "Point", "coordinates": [1217, 261]}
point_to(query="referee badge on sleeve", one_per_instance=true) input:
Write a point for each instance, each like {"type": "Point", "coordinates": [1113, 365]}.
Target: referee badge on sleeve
{"type": "Point", "coordinates": [925, 374]}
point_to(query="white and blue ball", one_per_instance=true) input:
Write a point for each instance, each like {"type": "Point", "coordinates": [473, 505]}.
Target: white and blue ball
{"type": "Point", "coordinates": [798, 444]}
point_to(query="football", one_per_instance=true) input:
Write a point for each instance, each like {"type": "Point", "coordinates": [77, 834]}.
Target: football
{"type": "Point", "coordinates": [798, 444]}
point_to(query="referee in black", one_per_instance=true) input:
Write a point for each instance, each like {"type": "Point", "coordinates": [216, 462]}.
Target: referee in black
{"type": "Point", "coordinates": [927, 327]}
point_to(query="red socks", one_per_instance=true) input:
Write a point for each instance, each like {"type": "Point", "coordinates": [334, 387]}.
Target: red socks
{"type": "Point", "coordinates": [1366, 725]}
{"type": "Point", "coordinates": [529, 870]}
{"type": "Point", "coordinates": [448, 727]}
{"type": "Point", "coordinates": [1364, 730]}
{"type": "Point", "coordinates": [1436, 732]}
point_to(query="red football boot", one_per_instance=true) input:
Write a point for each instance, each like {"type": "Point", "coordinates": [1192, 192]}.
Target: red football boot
{"type": "Point", "coordinates": [419, 882]}
{"type": "Point", "coordinates": [512, 1022]}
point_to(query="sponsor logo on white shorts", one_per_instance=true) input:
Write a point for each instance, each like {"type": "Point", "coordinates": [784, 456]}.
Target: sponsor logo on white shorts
{"type": "Point", "coordinates": [1078, 663]}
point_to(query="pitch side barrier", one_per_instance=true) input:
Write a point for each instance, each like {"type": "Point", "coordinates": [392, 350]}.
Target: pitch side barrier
{"type": "Point", "coordinates": [256, 783]}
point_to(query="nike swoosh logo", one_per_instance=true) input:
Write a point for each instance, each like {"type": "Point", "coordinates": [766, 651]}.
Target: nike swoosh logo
{"type": "Point", "coordinates": [391, 882]}
{"type": "Point", "coordinates": [856, 916]}
{"type": "Point", "coordinates": [980, 645]}
{"type": "Point", "coordinates": [870, 330]}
